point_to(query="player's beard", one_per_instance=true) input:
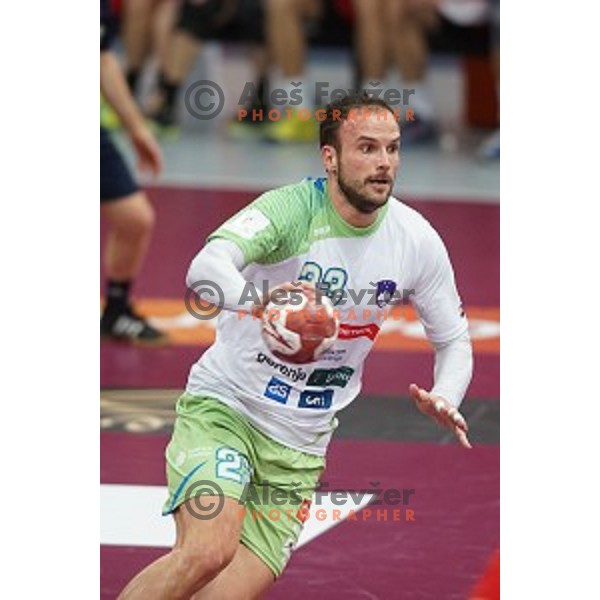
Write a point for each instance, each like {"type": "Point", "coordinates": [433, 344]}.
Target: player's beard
{"type": "Point", "coordinates": [357, 195]}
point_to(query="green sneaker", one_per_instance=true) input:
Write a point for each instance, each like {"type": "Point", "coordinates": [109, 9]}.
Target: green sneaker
{"type": "Point", "coordinates": [164, 124]}
{"type": "Point", "coordinates": [291, 129]}
{"type": "Point", "coordinates": [246, 128]}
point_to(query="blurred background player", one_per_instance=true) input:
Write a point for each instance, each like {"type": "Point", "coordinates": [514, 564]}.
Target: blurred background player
{"type": "Point", "coordinates": [490, 149]}
{"type": "Point", "coordinates": [122, 203]}
{"type": "Point", "coordinates": [406, 24]}
{"type": "Point", "coordinates": [285, 23]}
{"type": "Point", "coordinates": [146, 27]}
{"type": "Point", "coordinates": [197, 21]}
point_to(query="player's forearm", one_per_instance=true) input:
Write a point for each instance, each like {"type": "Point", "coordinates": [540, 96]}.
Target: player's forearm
{"type": "Point", "coordinates": [453, 369]}
{"type": "Point", "coordinates": [219, 264]}
{"type": "Point", "coordinates": [116, 92]}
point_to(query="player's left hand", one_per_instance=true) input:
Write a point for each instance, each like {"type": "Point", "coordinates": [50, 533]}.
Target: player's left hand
{"type": "Point", "coordinates": [147, 149]}
{"type": "Point", "coordinates": [442, 411]}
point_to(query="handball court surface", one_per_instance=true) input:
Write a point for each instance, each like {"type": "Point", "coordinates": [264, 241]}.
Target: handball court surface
{"type": "Point", "coordinates": [382, 440]}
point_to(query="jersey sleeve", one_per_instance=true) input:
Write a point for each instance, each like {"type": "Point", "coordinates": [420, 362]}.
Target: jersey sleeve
{"type": "Point", "coordinates": [269, 227]}
{"type": "Point", "coordinates": [435, 296]}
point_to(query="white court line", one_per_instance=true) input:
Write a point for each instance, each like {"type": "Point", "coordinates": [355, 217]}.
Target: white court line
{"type": "Point", "coordinates": [130, 516]}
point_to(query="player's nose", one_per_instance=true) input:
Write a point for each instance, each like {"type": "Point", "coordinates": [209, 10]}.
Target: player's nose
{"type": "Point", "coordinates": [384, 161]}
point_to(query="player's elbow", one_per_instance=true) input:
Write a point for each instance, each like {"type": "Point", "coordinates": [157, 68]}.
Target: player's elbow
{"type": "Point", "coordinates": [196, 270]}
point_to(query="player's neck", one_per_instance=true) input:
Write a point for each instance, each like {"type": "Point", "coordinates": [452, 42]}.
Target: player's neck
{"type": "Point", "coordinates": [346, 211]}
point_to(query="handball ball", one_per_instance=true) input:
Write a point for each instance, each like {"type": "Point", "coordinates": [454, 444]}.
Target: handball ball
{"type": "Point", "coordinates": [300, 332]}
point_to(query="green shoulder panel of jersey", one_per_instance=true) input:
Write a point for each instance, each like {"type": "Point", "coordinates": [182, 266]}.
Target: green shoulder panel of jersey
{"type": "Point", "coordinates": [279, 224]}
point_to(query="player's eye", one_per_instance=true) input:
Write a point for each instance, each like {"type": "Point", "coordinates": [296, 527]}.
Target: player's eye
{"type": "Point", "coordinates": [392, 149]}
{"type": "Point", "coordinates": [366, 148]}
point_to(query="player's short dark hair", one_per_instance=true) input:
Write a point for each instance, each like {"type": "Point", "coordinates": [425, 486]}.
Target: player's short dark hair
{"type": "Point", "coordinates": [337, 112]}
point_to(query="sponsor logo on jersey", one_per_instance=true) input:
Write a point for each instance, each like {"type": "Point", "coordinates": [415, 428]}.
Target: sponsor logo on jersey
{"type": "Point", "coordinates": [248, 224]}
{"type": "Point", "coordinates": [295, 374]}
{"type": "Point", "coordinates": [386, 288]}
{"type": "Point", "coordinates": [319, 231]}
{"type": "Point", "coordinates": [334, 355]}
{"type": "Point", "coordinates": [278, 390]}
{"type": "Point", "coordinates": [330, 377]}
{"type": "Point", "coordinates": [351, 332]}
{"type": "Point", "coordinates": [316, 399]}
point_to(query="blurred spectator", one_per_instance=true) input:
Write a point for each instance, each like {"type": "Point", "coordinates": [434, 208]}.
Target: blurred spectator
{"type": "Point", "coordinates": [122, 203]}
{"type": "Point", "coordinates": [385, 31]}
{"type": "Point", "coordinates": [199, 20]}
{"type": "Point", "coordinates": [145, 28]}
{"type": "Point", "coordinates": [406, 25]}
{"type": "Point", "coordinates": [491, 147]}
{"type": "Point", "coordinates": [286, 40]}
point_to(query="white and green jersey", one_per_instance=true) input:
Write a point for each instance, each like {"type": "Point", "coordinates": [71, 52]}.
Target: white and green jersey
{"type": "Point", "coordinates": [294, 233]}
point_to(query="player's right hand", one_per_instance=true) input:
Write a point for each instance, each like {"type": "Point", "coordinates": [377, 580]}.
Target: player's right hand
{"type": "Point", "coordinates": [147, 149]}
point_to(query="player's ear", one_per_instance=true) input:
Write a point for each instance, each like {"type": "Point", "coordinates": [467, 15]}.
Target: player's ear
{"type": "Point", "coordinates": [330, 159]}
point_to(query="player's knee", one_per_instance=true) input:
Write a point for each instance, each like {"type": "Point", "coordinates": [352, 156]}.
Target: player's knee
{"type": "Point", "coordinates": [140, 222]}
{"type": "Point", "coordinates": [147, 218]}
{"type": "Point", "coordinates": [207, 560]}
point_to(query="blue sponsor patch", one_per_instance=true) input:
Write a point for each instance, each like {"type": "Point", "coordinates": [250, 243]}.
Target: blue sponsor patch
{"type": "Point", "coordinates": [316, 399]}
{"type": "Point", "coordinates": [278, 390]}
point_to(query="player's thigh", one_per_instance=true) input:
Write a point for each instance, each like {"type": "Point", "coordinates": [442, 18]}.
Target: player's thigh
{"type": "Point", "coordinates": [214, 539]}
{"type": "Point", "coordinates": [246, 576]}
{"type": "Point", "coordinates": [207, 473]}
{"type": "Point", "coordinates": [277, 501]}
{"type": "Point", "coordinates": [208, 467]}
